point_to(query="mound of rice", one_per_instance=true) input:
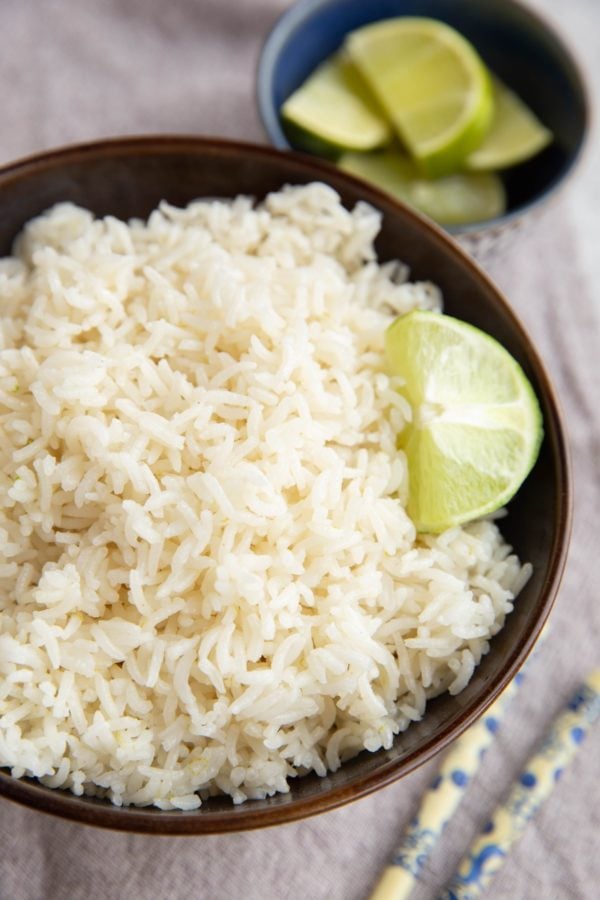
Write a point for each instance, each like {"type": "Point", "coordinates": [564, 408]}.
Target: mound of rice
{"type": "Point", "coordinates": [208, 581]}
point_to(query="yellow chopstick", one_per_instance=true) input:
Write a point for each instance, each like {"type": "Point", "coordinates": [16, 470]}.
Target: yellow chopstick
{"type": "Point", "coordinates": [441, 801]}
{"type": "Point", "coordinates": [534, 785]}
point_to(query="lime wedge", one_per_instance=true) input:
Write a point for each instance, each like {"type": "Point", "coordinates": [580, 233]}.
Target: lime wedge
{"type": "Point", "coordinates": [450, 200]}
{"type": "Point", "coordinates": [515, 135]}
{"type": "Point", "coordinates": [477, 426]}
{"type": "Point", "coordinates": [432, 84]}
{"type": "Point", "coordinates": [333, 111]}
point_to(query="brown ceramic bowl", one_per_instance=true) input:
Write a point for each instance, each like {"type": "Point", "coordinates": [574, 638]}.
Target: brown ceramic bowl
{"type": "Point", "coordinates": [129, 177]}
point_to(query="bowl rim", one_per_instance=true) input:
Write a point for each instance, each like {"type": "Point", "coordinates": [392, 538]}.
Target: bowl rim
{"type": "Point", "coordinates": [150, 820]}
{"type": "Point", "coordinates": [301, 10]}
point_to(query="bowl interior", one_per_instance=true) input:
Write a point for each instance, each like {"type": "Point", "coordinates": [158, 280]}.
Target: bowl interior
{"type": "Point", "coordinates": [128, 178]}
{"type": "Point", "coordinates": [512, 40]}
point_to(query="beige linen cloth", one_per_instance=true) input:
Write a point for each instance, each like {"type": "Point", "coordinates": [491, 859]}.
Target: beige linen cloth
{"type": "Point", "coordinates": [74, 70]}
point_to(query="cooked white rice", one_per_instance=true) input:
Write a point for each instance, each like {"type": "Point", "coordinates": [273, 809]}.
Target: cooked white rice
{"type": "Point", "coordinates": [208, 581]}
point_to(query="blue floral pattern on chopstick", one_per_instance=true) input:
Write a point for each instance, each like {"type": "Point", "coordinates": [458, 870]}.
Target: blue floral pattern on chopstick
{"type": "Point", "coordinates": [535, 783]}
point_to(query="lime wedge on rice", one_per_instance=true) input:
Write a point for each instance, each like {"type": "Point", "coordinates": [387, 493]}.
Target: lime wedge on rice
{"type": "Point", "coordinates": [515, 135]}
{"type": "Point", "coordinates": [477, 425]}
{"type": "Point", "coordinates": [431, 83]}
{"type": "Point", "coordinates": [450, 200]}
{"type": "Point", "coordinates": [333, 111]}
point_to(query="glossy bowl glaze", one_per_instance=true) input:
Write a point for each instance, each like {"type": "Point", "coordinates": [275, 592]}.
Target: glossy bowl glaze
{"type": "Point", "coordinates": [128, 178]}
{"type": "Point", "coordinates": [515, 43]}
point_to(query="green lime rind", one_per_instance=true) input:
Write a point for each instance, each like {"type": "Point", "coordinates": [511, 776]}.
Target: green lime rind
{"type": "Point", "coordinates": [431, 83]}
{"type": "Point", "coordinates": [333, 111]}
{"type": "Point", "coordinates": [477, 426]}
{"type": "Point", "coordinates": [515, 134]}
{"type": "Point", "coordinates": [458, 199]}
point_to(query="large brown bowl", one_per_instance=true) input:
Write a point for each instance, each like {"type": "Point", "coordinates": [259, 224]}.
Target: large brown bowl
{"type": "Point", "coordinates": [128, 177]}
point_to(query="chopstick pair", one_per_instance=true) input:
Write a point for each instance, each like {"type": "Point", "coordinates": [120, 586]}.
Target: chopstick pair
{"type": "Point", "coordinates": [488, 852]}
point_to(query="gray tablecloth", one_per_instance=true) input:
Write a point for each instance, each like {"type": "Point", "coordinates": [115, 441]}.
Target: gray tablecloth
{"type": "Point", "coordinates": [79, 69]}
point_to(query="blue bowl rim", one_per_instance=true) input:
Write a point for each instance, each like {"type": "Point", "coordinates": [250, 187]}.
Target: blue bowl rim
{"type": "Point", "coordinates": [301, 10]}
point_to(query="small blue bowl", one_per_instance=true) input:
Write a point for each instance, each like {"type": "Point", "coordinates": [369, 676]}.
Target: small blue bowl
{"type": "Point", "coordinates": [515, 43]}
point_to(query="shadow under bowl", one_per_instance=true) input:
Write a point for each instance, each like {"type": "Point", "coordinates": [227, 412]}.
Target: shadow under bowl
{"type": "Point", "coordinates": [515, 43]}
{"type": "Point", "coordinates": [128, 178]}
